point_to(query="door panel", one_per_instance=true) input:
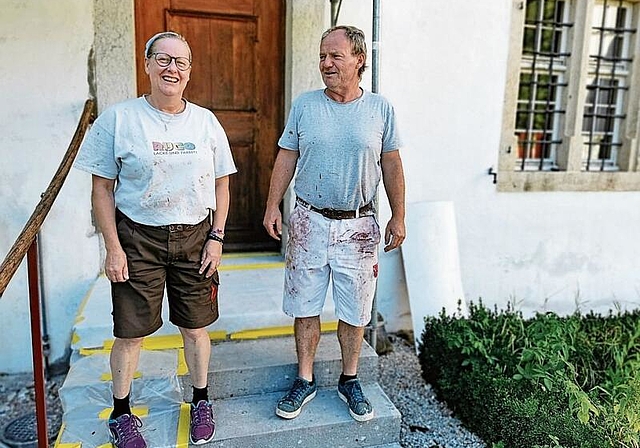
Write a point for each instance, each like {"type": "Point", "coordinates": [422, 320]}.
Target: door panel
{"type": "Point", "coordinates": [232, 42]}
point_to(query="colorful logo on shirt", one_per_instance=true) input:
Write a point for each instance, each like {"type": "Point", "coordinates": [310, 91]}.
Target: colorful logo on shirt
{"type": "Point", "coordinates": [161, 148]}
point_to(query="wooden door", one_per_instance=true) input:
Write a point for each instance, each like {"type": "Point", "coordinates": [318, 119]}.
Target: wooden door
{"type": "Point", "coordinates": [238, 73]}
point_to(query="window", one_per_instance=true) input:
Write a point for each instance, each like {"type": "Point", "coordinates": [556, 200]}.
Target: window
{"type": "Point", "coordinates": [571, 120]}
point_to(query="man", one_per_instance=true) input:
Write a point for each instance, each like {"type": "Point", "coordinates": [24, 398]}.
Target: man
{"type": "Point", "coordinates": [342, 140]}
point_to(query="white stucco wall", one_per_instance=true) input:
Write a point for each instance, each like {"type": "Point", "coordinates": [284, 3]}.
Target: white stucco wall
{"type": "Point", "coordinates": [444, 68]}
{"type": "Point", "coordinates": [44, 47]}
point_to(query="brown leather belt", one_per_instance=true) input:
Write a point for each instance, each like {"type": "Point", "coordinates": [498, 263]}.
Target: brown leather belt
{"type": "Point", "coordinates": [170, 227]}
{"type": "Point", "coordinates": [365, 210]}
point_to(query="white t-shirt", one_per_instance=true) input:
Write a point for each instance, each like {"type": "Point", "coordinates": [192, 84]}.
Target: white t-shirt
{"type": "Point", "coordinates": [165, 165]}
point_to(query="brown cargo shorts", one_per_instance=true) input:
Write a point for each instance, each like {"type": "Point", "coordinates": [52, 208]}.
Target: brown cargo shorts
{"type": "Point", "coordinates": [158, 257]}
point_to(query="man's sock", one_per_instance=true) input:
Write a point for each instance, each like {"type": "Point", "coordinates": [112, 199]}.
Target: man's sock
{"type": "Point", "coordinates": [121, 406]}
{"type": "Point", "coordinates": [344, 378]}
{"type": "Point", "coordinates": [200, 394]}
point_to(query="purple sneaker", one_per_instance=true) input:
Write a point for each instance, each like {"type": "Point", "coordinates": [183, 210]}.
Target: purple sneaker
{"type": "Point", "coordinates": [124, 432]}
{"type": "Point", "coordinates": [203, 426]}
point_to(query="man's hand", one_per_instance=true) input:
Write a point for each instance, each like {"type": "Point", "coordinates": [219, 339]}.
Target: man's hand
{"type": "Point", "coordinates": [115, 266]}
{"type": "Point", "coordinates": [211, 257]}
{"type": "Point", "coordinates": [394, 234]}
{"type": "Point", "coordinates": [273, 222]}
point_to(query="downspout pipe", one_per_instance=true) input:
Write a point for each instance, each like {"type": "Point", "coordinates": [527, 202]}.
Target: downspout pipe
{"type": "Point", "coordinates": [335, 11]}
{"type": "Point", "coordinates": [375, 68]}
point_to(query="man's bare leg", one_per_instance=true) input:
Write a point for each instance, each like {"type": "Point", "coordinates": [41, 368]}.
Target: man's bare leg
{"type": "Point", "coordinates": [307, 333]}
{"type": "Point", "coordinates": [350, 339]}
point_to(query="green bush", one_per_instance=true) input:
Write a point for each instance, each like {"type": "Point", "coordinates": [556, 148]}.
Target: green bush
{"type": "Point", "coordinates": [547, 381]}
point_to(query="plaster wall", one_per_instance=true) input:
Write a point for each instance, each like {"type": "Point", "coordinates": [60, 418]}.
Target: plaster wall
{"type": "Point", "coordinates": [443, 66]}
{"type": "Point", "coordinates": [444, 69]}
{"type": "Point", "coordinates": [45, 49]}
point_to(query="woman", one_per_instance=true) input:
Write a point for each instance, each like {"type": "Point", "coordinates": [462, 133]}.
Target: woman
{"type": "Point", "coordinates": [160, 166]}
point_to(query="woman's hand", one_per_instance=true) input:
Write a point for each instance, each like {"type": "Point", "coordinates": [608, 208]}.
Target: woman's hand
{"type": "Point", "coordinates": [115, 266]}
{"type": "Point", "coordinates": [211, 257]}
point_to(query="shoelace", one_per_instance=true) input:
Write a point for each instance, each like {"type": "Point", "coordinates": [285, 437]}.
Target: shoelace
{"type": "Point", "coordinates": [202, 414]}
{"type": "Point", "coordinates": [356, 392]}
{"type": "Point", "coordinates": [128, 430]}
{"type": "Point", "coordinates": [296, 391]}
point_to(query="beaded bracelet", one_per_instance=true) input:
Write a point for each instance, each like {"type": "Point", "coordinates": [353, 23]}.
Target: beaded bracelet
{"type": "Point", "coordinates": [213, 236]}
{"type": "Point", "coordinates": [218, 232]}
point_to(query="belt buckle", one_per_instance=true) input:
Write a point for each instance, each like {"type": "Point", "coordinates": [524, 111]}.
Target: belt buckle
{"type": "Point", "coordinates": [175, 228]}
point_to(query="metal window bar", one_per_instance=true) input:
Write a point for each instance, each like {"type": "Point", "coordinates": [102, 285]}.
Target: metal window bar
{"type": "Point", "coordinates": [550, 111]}
{"type": "Point", "coordinates": [607, 139]}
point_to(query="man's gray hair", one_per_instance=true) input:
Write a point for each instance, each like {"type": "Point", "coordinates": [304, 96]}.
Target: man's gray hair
{"type": "Point", "coordinates": [148, 48]}
{"type": "Point", "coordinates": [356, 38]}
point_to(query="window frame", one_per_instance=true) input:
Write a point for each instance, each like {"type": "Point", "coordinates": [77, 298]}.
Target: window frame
{"type": "Point", "coordinates": [571, 175]}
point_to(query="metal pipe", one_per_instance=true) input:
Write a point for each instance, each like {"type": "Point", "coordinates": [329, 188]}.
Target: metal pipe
{"type": "Point", "coordinates": [46, 346]}
{"type": "Point", "coordinates": [36, 345]}
{"type": "Point", "coordinates": [375, 47]}
{"type": "Point", "coordinates": [335, 11]}
{"type": "Point", "coordinates": [375, 59]}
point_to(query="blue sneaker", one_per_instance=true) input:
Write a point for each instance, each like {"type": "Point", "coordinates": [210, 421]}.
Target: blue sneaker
{"type": "Point", "coordinates": [301, 393]}
{"type": "Point", "coordinates": [124, 432]}
{"type": "Point", "coordinates": [359, 407]}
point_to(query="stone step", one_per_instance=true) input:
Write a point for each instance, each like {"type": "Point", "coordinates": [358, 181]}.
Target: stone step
{"type": "Point", "coordinates": [249, 422]}
{"type": "Point", "coordinates": [236, 368]}
{"type": "Point", "coordinates": [251, 367]}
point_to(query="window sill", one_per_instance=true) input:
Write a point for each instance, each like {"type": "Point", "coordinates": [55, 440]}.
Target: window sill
{"type": "Point", "coordinates": [524, 181]}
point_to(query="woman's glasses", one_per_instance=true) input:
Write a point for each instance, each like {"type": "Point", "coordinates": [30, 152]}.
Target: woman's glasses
{"type": "Point", "coordinates": [164, 60]}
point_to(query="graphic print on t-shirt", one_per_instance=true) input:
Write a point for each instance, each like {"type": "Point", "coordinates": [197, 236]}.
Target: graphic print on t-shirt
{"type": "Point", "coordinates": [165, 148]}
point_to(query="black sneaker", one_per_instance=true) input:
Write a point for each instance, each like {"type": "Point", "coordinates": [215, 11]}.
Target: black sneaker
{"type": "Point", "coordinates": [301, 393]}
{"type": "Point", "coordinates": [359, 407]}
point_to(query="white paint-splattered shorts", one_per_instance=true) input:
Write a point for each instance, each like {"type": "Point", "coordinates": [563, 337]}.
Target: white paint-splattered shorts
{"type": "Point", "coordinates": [320, 250]}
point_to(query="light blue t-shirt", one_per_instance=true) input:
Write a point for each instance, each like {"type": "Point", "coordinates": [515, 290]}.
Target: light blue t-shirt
{"type": "Point", "coordinates": [165, 165]}
{"type": "Point", "coordinates": [340, 145]}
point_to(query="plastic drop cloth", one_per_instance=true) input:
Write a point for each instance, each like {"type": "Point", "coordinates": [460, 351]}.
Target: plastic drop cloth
{"type": "Point", "coordinates": [156, 397]}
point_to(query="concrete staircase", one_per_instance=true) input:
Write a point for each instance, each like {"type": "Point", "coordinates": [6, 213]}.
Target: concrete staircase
{"type": "Point", "coordinates": [248, 374]}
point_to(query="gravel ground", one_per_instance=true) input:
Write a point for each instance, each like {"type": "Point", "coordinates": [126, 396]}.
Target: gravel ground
{"type": "Point", "coordinates": [17, 399]}
{"type": "Point", "coordinates": [426, 423]}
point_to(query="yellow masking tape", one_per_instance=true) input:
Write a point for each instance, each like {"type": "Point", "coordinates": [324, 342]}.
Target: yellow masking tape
{"type": "Point", "coordinates": [219, 335]}
{"type": "Point", "coordinates": [70, 445]}
{"type": "Point", "coordinates": [277, 331]}
{"type": "Point", "coordinates": [166, 341]}
{"type": "Point", "coordinates": [183, 425]}
{"type": "Point", "coordinates": [246, 267]}
{"type": "Point", "coordinates": [162, 342]}
{"type": "Point", "coordinates": [251, 255]}
{"type": "Point", "coordinates": [93, 351]}
{"type": "Point", "coordinates": [60, 431]}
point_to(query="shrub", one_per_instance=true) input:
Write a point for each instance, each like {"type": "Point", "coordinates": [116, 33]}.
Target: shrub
{"type": "Point", "coordinates": [553, 381]}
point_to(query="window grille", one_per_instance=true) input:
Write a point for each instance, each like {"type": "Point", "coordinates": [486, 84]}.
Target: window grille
{"type": "Point", "coordinates": [542, 77]}
{"type": "Point", "coordinates": [572, 116]}
{"type": "Point", "coordinates": [609, 61]}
